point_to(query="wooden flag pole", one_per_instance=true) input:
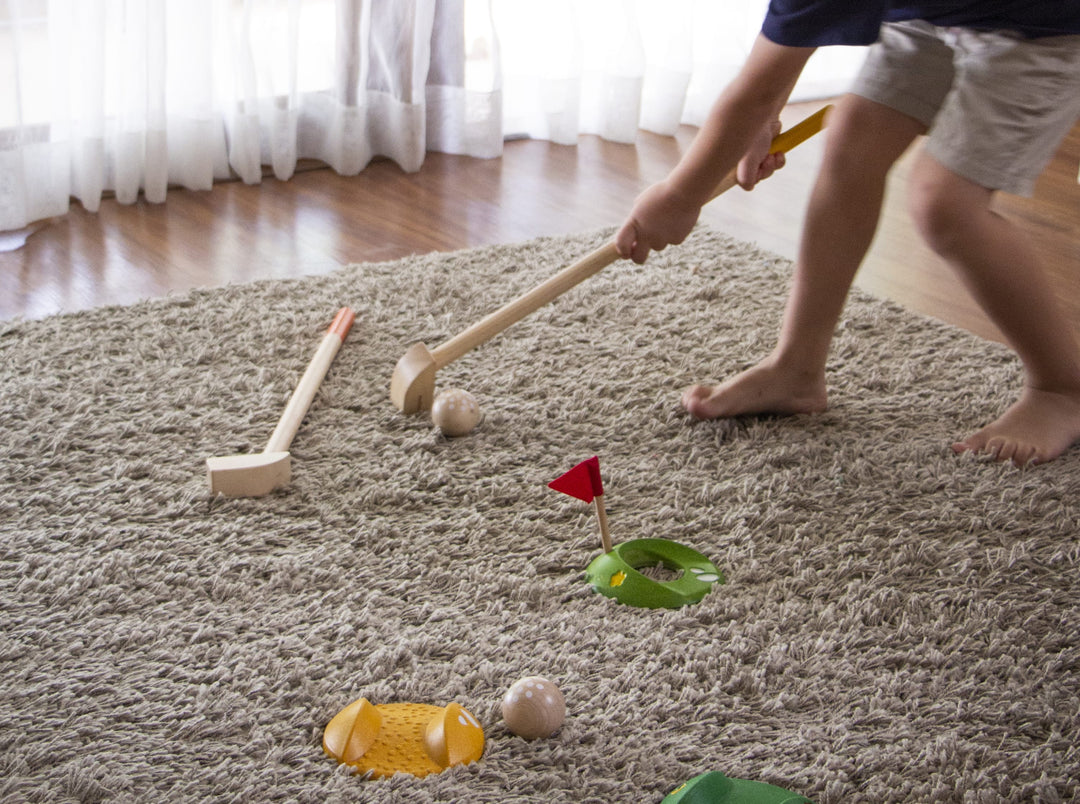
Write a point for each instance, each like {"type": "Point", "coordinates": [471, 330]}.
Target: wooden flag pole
{"type": "Point", "coordinates": [601, 516]}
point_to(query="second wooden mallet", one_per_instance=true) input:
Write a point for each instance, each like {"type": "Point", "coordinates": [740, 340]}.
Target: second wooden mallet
{"type": "Point", "coordinates": [257, 474]}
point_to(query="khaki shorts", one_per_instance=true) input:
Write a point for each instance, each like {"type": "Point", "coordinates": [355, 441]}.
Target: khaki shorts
{"type": "Point", "coordinates": [996, 105]}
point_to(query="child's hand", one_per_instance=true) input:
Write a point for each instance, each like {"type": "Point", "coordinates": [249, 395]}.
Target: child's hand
{"type": "Point", "coordinates": [758, 163]}
{"type": "Point", "coordinates": [659, 218]}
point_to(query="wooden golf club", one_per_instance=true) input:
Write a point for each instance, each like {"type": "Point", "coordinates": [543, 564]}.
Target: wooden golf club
{"type": "Point", "coordinates": [256, 474]}
{"type": "Point", "coordinates": [412, 385]}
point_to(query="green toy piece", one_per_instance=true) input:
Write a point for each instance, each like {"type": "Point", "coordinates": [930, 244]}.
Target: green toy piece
{"type": "Point", "coordinates": [716, 788]}
{"type": "Point", "coordinates": [615, 574]}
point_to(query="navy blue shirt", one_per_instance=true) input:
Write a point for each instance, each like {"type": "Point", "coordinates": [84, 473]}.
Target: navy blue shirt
{"type": "Point", "coordinates": [815, 23]}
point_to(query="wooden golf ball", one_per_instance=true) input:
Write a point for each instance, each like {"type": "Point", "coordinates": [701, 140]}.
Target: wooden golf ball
{"type": "Point", "coordinates": [455, 412]}
{"type": "Point", "coordinates": [533, 707]}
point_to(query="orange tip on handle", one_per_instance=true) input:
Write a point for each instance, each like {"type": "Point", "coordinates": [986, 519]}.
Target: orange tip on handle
{"type": "Point", "coordinates": [800, 132]}
{"type": "Point", "coordinates": [342, 323]}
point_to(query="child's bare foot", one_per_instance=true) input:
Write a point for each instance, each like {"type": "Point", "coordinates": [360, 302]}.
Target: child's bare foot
{"type": "Point", "coordinates": [765, 388]}
{"type": "Point", "coordinates": [1036, 428]}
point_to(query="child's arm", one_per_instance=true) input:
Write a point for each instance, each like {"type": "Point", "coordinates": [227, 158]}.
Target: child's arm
{"type": "Point", "coordinates": [741, 122]}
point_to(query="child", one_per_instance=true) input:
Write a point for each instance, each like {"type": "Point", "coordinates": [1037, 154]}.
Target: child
{"type": "Point", "coordinates": [996, 86]}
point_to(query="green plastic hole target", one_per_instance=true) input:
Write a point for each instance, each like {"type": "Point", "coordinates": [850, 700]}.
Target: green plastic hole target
{"type": "Point", "coordinates": [617, 574]}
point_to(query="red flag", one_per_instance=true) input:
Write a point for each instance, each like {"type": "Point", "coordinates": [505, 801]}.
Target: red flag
{"type": "Point", "coordinates": [583, 481]}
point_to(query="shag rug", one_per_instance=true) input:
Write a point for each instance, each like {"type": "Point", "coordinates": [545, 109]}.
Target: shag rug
{"type": "Point", "coordinates": [898, 624]}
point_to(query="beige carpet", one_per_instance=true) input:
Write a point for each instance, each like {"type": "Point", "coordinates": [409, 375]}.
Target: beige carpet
{"type": "Point", "coordinates": [899, 624]}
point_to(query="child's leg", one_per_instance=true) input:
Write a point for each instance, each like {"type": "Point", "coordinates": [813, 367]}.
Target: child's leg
{"type": "Point", "coordinates": [1012, 102]}
{"type": "Point", "coordinates": [1002, 272]}
{"type": "Point", "coordinates": [864, 140]}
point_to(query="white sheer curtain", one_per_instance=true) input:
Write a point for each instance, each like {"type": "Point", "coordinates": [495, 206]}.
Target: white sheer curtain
{"type": "Point", "coordinates": [610, 67]}
{"type": "Point", "coordinates": [133, 96]}
{"type": "Point", "coordinates": [136, 96]}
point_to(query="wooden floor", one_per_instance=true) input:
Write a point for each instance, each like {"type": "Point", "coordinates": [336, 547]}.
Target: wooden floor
{"type": "Point", "coordinates": [319, 221]}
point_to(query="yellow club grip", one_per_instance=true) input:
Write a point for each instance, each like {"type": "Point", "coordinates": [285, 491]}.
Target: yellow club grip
{"type": "Point", "coordinates": [800, 132]}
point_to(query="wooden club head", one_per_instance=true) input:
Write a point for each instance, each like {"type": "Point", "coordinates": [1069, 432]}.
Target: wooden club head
{"type": "Point", "coordinates": [412, 385]}
{"type": "Point", "coordinates": [253, 475]}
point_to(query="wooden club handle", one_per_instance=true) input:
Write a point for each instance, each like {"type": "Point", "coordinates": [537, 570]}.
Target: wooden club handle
{"type": "Point", "coordinates": [505, 316]}
{"type": "Point", "coordinates": [496, 322]}
{"type": "Point", "coordinates": [310, 381]}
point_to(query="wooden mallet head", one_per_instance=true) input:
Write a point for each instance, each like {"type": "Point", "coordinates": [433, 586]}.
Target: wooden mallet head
{"type": "Point", "coordinates": [412, 385]}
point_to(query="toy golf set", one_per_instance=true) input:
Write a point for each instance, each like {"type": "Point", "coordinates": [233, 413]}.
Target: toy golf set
{"type": "Point", "coordinates": [382, 739]}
